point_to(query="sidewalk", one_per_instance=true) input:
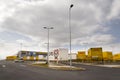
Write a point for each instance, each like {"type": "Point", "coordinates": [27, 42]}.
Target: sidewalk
{"type": "Point", "coordinates": [102, 65]}
{"type": "Point", "coordinates": [110, 66]}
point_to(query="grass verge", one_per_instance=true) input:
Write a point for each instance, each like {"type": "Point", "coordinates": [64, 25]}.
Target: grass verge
{"type": "Point", "coordinates": [59, 67]}
{"type": "Point", "coordinates": [41, 65]}
{"type": "Point", "coordinates": [69, 68]}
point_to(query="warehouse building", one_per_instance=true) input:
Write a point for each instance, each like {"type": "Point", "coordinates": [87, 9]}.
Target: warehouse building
{"type": "Point", "coordinates": [60, 54]}
{"type": "Point", "coordinates": [32, 55]}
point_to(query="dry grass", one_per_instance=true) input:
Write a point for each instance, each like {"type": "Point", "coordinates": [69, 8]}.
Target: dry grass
{"type": "Point", "coordinates": [69, 68]}
{"type": "Point", "coordinates": [59, 67]}
{"type": "Point", "coordinates": [41, 65]}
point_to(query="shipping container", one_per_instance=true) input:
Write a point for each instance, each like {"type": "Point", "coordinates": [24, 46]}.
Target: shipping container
{"type": "Point", "coordinates": [81, 56]}
{"type": "Point", "coordinates": [11, 58]}
{"type": "Point", "coordinates": [116, 57]}
{"type": "Point", "coordinates": [107, 56]}
{"type": "Point", "coordinates": [95, 54]}
{"type": "Point", "coordinates": [24, 58]}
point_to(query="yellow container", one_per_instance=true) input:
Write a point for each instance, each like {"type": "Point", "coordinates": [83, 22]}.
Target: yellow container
{"type": "Point", "coordinates": [31, 58]}
{"type": "Point", "coordinates": [11, 57]}
{"type": "Point", "coordinates": [107, 55]}
{"type": "Point", "coordinates": [95, 54]}
{"type": "Point", "coordinates": [37, 58]}
{"type": "Point", "coordinates": [24, 58]}
{"type": "Point", "coordinates": [116, 57]}
{"type": "Point", "coordinates": [81, 55]}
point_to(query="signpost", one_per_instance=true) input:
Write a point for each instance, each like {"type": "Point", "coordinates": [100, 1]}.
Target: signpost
{"type": "Point", "coordinates": [56, 54]}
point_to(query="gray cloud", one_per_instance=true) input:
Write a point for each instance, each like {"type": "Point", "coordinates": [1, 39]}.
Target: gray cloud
{"type": "Point", "coordinates": [87, 15]}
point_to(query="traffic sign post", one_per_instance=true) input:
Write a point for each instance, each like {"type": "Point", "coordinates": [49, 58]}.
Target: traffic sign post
{"type": "Point", "coordinates": [56, 54]}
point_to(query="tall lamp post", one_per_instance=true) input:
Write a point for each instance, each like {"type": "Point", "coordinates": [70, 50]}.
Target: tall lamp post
{"type": "Point", "coordinates": [48, 28]}
{"type": "Point", "coordinates": [70, 32]}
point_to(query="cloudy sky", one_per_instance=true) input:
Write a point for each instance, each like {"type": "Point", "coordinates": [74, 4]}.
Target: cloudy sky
{"type": "Point", "coordinates": [94, 23]}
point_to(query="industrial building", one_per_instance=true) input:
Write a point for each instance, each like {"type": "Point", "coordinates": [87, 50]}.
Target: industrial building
{"type": "Point", "coordinates": [116, 57]}
{"type": "Point", "coordinates": [32, 55]}
{"type": "Point", "coordinates": [56, 54]}
{"type": "Point", "coordinates": [28, 56]}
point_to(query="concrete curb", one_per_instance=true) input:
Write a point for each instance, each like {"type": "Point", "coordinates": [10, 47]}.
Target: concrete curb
{"type": "Point", "coordinates": [109, 66]}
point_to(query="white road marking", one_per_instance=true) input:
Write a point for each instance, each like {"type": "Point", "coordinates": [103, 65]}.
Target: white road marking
{"type": "Point", "coordinates": [3, 66]}
{"type": "Point", "coordinates": [23, 65]}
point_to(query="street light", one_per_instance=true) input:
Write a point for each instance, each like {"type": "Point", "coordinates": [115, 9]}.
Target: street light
{"type": "Point", "coordinates": [70, 32]}
{"type": "Point", "coordinates": [48, 28]}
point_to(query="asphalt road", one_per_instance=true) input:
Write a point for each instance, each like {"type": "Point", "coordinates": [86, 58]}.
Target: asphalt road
{"type": "Point", "coordinates": [21, 71]}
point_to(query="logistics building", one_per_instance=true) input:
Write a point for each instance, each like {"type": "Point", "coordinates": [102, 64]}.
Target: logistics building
{"type": "Point", "coordinates": [56, 54]}
{"type": "Point", "coordinates": [32, 55]}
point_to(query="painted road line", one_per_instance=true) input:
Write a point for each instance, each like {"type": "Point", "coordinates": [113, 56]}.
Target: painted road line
{"type": "Point", "coordinates": [23, 65]}
{"type": "Point", "coordinates": [3, 66]}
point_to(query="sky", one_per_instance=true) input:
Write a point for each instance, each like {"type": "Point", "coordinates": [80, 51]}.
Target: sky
{"type": "Point", "coordinates": [94, 23]}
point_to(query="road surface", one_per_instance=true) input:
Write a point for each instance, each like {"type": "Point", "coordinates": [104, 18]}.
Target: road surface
{"type": "Point", "coordinates": [21, 71]}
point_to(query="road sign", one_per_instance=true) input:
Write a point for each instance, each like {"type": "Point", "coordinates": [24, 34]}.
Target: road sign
{"type": "Point", "coordinates": [56, 53]}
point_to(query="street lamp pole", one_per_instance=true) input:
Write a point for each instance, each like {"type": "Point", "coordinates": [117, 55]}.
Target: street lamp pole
{"type": "Point", "coordinates": [48, 28]}
{"type": "Point", "coordinates": [70, 32]}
